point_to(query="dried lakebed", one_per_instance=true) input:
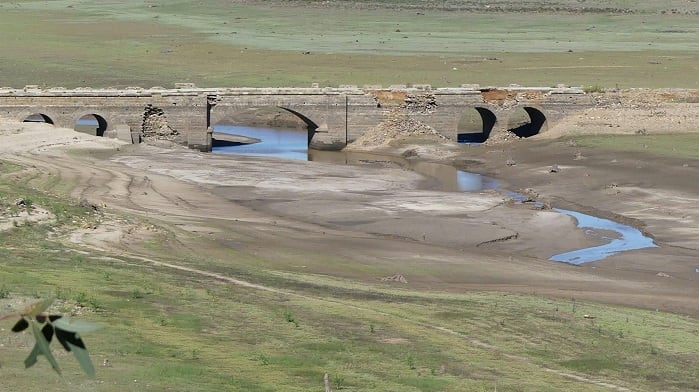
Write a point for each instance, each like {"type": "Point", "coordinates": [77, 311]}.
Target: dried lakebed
{"type": "Point", "coordinates": [288, 144]}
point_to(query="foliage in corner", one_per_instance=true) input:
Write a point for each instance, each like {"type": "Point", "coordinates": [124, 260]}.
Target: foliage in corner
{"type": "Point", "coordinates": [44, 326]}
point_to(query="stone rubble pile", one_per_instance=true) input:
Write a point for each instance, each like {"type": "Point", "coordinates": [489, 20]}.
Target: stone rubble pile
{"type": "Point", "coordinates": [397, 125]}
{"type": "Point", "coordinates": [155, 126]}
{"type": "Point", "coordinates": [420, 103]}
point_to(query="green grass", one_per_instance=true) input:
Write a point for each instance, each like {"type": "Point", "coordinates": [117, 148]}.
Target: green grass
{"type": "Point", "coordinates": [167, 329]}
{"type": "Point", "coordinates": [680, 145]}
{"type": "Point", "coordinates": [217, 43]}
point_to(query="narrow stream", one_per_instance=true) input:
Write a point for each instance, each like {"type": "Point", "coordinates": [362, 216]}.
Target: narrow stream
{"type": "Point", "coordinates": [629, 239]}
{"type": "Point", "coordinates": [293, 144]}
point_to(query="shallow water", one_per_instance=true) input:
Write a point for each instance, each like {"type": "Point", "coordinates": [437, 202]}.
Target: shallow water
{"type": "Point", "coordinates": [293, 144]}
{"type": "Point", "coordinates": [441, 177]}
{"type": "Point", "coordinates": [275, 143]}
{"type": "Point", "coordinates": [629, 239]}
{"type": "Point", "coordinates": [471, 182]}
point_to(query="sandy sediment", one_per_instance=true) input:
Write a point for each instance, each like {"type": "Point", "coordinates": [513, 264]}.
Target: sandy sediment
{"type": "Point", "coordinates": [636, 111]}
{"type": "Point", "coordinates": [378, 215]}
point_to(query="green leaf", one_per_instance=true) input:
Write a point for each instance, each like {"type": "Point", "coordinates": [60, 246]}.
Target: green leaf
{"type": "Point", "coordinates": [83, 358]}
{"type": "Point", "coordinates": [80, 326]}
{"type": "Point", "coordinates": [32, 358]}
{"type": "Point", "coordinates": [37, 307]}
{"type": "Point", "coordinates": [42, 346]}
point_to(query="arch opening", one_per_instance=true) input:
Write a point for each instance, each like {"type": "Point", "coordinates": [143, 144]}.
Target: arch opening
{"type": "Point", "coordinates": [475, 125]}
{"type": "Point", "coordinates": [263, 131]}
{"type": "Point", "coordinates": [38, 118]}
{"type": "Point", "coordinates": [91, 124]}
{"type": "Point", "coordinates": [309, 124]}
{"type": "Point", "coordinates": [526, 122]}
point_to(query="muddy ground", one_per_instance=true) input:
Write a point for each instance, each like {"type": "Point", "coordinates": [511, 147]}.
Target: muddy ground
{"type": "Point", "coordinates": [386, 219]}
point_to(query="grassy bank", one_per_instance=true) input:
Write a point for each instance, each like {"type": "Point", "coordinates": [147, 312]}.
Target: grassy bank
{"type": "Point", "coordinates": [681, 145]}
{"type": "Point", "coordinates": [167, 328]}
{"type": "Point", "coordinates": [215, 43]}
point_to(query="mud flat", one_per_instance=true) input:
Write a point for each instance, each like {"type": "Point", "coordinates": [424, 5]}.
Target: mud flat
{"type": "Point", "coordinates": [378, 216]}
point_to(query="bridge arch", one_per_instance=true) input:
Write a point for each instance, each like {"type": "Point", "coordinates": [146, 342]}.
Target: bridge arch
{"type": "Point", "coordinates": [37, 117]}
{"type": "Point", "coordinates": [475, 125]}
{"type": "Point", "coordinates": [527, 121]}
{"type": "Point", "coordinates": [269, 116]}
{"type": "Point", "coordinates": [91, 123]}
{"type": "Point", "coordinates": [310, 125]}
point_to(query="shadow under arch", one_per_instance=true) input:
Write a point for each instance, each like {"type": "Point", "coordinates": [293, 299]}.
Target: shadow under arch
{"type": "Point", "coordinates": [271, 117]}
{"type": "Point", "coordinates": [487, 123]}
{"type": "Point", "coordinates": [527, 125]}
{"type": "Point", "coordinates": [91, 123]}
{"type": "Point", "coordinates": [38, 118]}
{"type": "Point", "coordinates": [311, 126]}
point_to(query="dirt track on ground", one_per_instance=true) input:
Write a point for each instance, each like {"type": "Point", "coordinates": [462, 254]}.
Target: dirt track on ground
{"type": "Point", "coordinates": [377, 215]}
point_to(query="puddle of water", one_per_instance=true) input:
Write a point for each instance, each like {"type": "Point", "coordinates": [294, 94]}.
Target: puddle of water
{"type": "Point", "coordinates": [442, 177]}
{"type": "Point", "coordinates": [275, 143]}
{"type": "Point", "coordinates": [451, 179]}
{"type": "Point", "coordinates": [629, 239]}
{"type": "Point", "coordinates": [471, 182]}
{"type": "Point", "coordinates": [522, 198]}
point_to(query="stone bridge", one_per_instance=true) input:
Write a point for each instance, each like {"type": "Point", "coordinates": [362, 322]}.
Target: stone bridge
{"type": "Point", "coordinates": [333, 116]}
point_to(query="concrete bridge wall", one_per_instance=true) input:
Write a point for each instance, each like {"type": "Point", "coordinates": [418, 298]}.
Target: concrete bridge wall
{"type": "Point", "coordinates": [334, 116]}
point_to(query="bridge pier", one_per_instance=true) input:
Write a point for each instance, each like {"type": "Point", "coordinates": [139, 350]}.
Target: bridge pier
{"type": "Point", "coordinates": [200, 141]}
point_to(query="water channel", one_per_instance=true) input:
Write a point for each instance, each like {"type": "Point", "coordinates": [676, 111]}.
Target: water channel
{"type": "Point", "coordinates": [293, 144]}
{"type": "Point", "coordinates": [278, 143]}
{"type": "Point", "coordinates": [629, 238]}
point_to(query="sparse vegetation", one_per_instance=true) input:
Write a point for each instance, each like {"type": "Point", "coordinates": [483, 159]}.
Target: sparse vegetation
{"type": "Point", "coordinates": [290, 317]}
{"type": "Point", "coordinates": [680, 145]}
{"type": "Point", "coordinates": [593, 89]}
{"type": "Point", "coordinates": [334, 336]}
{"type": "Point", "coordinates": [244, 43]}
{"type": "Point", "coordinates": [338, 382]}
